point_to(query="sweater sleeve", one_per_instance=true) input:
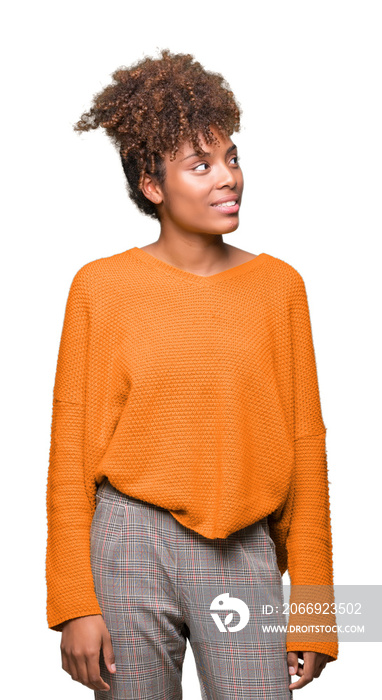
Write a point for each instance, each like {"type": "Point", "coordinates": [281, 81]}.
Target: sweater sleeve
{"type": "Point", "coordinates": [70, 586]}
{"type": "Point", "coordinates": [309, 540]}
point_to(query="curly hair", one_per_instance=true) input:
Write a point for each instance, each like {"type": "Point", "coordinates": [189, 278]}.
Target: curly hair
{"type": "Point", "coordinates": [153, 107]}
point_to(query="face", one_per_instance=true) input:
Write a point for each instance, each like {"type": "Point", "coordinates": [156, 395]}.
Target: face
{"type": "Point", "coordinates": [189, 199]}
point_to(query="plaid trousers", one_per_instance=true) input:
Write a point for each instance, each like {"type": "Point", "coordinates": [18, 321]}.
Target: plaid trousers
{"type": "Point", "coordinates": [159, 583]}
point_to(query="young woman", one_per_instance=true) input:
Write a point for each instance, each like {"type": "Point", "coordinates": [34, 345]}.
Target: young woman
{"type": "Point", "coordinates": [187, 465]}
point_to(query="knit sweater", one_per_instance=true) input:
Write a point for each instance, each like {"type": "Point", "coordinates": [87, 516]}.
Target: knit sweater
{"type": "Point", "coordinates": [195, 393]}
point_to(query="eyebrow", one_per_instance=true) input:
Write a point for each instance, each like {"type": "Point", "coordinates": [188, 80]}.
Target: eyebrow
{"type": "Point", "coordinates": [205, 153]}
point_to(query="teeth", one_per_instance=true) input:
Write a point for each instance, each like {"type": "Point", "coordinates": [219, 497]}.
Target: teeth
{"type": "Point", "coordinates": [226, 204]}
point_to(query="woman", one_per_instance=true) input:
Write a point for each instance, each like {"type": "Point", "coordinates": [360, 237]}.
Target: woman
{"type": "Point", "coordinates": [187, 464]}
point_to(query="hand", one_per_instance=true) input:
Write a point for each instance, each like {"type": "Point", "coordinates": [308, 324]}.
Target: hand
{"type": "Point", "coordinates": [81, 641]}
{"type": "Point", "coordinates": [314, 663]}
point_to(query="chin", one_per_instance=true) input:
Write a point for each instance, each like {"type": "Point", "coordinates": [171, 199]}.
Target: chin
{"type": "Point", "coordinates": [231, 225]}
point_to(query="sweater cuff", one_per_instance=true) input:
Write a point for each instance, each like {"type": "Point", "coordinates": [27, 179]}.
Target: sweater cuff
{"type": "Point", "coordinates": [312, 624]}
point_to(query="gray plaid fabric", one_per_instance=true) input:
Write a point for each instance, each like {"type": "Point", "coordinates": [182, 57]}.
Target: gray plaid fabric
{"type": "Point", "coordinates": [159, 583]}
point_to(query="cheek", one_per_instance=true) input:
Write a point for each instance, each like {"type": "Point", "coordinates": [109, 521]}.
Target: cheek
{"type": "Point", "coordinates": [240, 179]}
{"type": "Point", "coordinates": [189, 197]}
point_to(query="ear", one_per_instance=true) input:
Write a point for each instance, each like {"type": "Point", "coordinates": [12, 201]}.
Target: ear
{"type": "Point", "coordinates": [151, 189]}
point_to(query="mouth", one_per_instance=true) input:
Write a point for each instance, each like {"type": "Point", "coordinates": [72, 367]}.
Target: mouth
{"type": "Point", "coordinates": [230, 207]}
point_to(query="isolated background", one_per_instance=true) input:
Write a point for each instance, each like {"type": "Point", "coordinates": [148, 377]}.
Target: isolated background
{"type": "Point", "coordinates": [308, 78]}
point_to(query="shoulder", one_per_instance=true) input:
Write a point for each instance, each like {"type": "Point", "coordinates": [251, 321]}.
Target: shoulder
{"type": "Point", "coordinates": [276, 266]}
{"type": "Point", "coordinates": [282, 278]}
{"type": "Point", "coordinates": [101, 266]}
{"type": "Point", "coordinates": [284, 269]}
{"type": "Point", "coordinates": [102, 272]}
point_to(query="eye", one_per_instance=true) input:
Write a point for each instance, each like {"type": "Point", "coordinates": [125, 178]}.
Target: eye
{"type": "Point", "coordinates": [198, 166]}
{"type": "Point", "coordinates": [207, 165]}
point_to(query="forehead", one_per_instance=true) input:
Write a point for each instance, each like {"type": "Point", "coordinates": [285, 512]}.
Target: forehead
{"type": "Point", "coordinates": [187, 147]}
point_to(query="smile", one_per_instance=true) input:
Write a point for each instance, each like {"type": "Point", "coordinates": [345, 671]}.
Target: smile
{"type": "Point", "coordinates": [227, 207]}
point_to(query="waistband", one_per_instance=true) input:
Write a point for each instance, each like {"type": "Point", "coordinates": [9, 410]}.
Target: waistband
{"type": "Point", "coordinates": [108, 491]}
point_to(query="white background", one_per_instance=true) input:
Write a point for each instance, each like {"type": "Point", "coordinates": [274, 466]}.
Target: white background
{"type": "Point", "coordinates": [308, 78]}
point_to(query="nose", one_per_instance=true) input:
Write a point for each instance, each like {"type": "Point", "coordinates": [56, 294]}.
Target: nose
{"type": "Point", "coordinates": [226, 176]}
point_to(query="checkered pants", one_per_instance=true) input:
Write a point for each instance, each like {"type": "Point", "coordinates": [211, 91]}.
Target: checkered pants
{"type": "Point", "coordinates": [159, 583]}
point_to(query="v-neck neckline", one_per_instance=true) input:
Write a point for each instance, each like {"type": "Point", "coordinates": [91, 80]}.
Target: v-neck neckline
{"type": "Point", "coordinates": [190, 276]}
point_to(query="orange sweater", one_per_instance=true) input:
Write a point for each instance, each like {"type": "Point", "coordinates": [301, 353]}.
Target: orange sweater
{"type": "Point", "coordinates": [198, 394]}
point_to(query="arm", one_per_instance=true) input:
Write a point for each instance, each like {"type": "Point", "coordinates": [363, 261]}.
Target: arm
{"type": "Point", "coordinates": [70, 586]}
{"type": "Point", "coordinates": [309, 540]}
